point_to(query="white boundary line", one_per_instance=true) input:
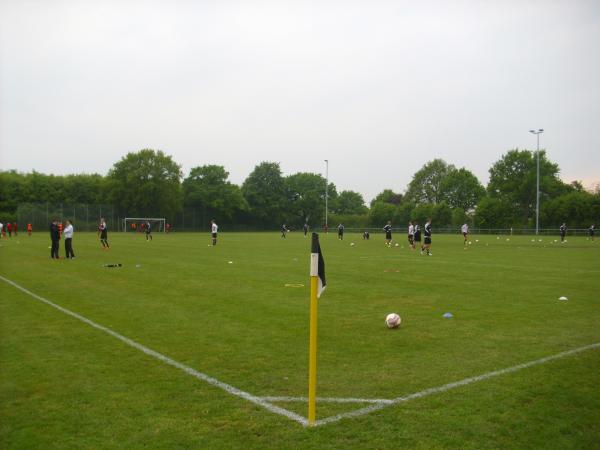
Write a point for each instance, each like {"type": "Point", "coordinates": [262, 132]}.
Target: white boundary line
{"type": "Point", "coordinates": [447, 387]}
{"type": "Point", "coordinates": [199, 375]}
{"type": "Point", "coordinates": [264, 401]}
{"type": "Point", "coordinates": [269, 398]}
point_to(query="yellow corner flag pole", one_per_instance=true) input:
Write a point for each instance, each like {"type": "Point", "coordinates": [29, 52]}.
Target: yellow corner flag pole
{"type": "Point", "coordinates": [317, 284]}
{"type": "Point", "coordinates": [312, 360]}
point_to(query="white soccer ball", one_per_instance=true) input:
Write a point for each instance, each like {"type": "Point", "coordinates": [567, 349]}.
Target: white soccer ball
{"type": "Point", "coordinates": [393, 320]}
{"type": "Point", "coordinates": [396, 244]}
{"type": "Point", "coordinates": [351, 244]}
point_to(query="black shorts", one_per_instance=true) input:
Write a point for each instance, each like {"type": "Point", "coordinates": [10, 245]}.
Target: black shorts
{"type": "Point", "coordinates": [214, 235]}
{"type": "Point", "coordinates": [465, 234]}
{"type": "Point", "coordinates": [103, 235]}
{"type": "Point", "coordinates": [148, 231]}
{"type": "Point", "coordinates": [411, 238]}
{"type": "Point", "coordinates": [388, 235]}
{"type": "Point", "coordinates": [417, 238]}
{"type": "Point", "coordinates": [427, 240]}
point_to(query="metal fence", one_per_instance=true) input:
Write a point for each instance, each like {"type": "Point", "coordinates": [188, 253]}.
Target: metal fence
{"type": "Point", "coordinates": [84, 217]}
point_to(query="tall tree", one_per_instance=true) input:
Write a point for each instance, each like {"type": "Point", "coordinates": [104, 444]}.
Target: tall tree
{"type": "Point", "coordinates": [306, 195]}
{"type": "Point", "coordinates": [426, 185]}
{"type": "Point", "coordinates": [146, 183]}
{"type": "Point", "coordinates": [207, 188]}
{"type": "Point", "coordinates": [350, 202]}
{"type": "Point", "coordinates": [513, 179]}
{"type": "Point", "coordinates": [461, 189]}
{"type": "Point", "coordinates": [381, 212]}
{"type": "Point", "coordinates": [388, 196]}
{"type": "Point", "coordinates": [264, 190]}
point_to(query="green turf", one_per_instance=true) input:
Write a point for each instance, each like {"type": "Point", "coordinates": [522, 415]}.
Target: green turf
{"type": "Point", "coordinates": [64, 384]}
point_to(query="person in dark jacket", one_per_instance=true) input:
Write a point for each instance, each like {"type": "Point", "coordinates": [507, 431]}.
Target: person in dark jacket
{"type": "Point", "coordinates": [55, 238]}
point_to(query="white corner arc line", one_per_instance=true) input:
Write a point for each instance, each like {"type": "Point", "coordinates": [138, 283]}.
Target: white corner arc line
{"type": "Point", "coordinates": [199, 375]}
{"type": "Point", "coordinates": [269, 398]}
{"type": "Point", "coordinates": [447, 387]}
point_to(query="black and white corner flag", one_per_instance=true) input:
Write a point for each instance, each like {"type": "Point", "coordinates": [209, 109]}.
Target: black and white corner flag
{"type": "Point", "coordinates": [317, 264]}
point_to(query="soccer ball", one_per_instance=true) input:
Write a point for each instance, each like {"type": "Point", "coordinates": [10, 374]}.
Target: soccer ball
{"type": "Point", "coordinates": [351, 244]}
{"type": "Point", "coordinates": [396, 244]}
{"type": "Point", "coordinates": [393, 320]}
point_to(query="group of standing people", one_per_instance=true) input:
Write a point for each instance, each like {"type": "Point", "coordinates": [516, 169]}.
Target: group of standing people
{"type": "Point", "coordinates": [414, 236]}
{"type": "Point", "coordinates": [56, 230]}
{"type": "Point", "coordinates": [12, 228]}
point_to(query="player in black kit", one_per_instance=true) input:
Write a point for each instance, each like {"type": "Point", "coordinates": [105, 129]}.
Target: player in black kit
{"type": "Point", "coordinates": [388, 233]}
{"type": "Point", "coordinates": [427, 242]}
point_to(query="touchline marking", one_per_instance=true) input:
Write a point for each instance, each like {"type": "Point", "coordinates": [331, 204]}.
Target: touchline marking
{"type": "Point", "coordinates": [447, 387]}
{"type": "Point", "coordinates": [199, 375]}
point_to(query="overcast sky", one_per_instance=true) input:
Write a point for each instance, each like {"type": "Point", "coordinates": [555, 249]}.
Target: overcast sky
{"type": "Point", "coordinates": [376, 87]}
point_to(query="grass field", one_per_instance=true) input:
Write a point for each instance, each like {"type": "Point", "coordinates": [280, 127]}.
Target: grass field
{"type": "Point", "coordinates": [226, 312]}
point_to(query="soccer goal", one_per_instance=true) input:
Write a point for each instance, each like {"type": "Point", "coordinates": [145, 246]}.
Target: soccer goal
{"type": "Point", "coordinates": [139, 224]}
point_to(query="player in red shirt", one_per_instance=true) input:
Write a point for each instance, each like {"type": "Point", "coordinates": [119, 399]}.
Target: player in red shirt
{"type": "Point", "coordinates": [9, 228]}
{"type": "Point", "coordinates": [60, 229]}
{"type": "Point", "coordinates": [15, 228]}
{"type": "Point", "coordinates": [29, 229]}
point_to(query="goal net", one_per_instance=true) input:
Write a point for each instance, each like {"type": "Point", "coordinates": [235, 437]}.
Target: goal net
{"type": "Point", "coordinates": [138, 224]}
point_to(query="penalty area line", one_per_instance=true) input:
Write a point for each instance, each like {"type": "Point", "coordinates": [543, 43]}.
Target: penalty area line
{"type": "Point", "coordinates": [165, 359]}
{"type": "Point", "coordinates": [447, 387]}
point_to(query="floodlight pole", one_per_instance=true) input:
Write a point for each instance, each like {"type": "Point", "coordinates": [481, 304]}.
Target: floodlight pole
{"type": "Point", "coordinates": [326, 191]}
{"type": "Point", "coordinates": [537, 184]}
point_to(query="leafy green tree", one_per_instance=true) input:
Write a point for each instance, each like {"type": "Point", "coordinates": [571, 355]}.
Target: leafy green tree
{"type": "Point", "coordinates": [146, 183]}
{"type": "Point", "coordinates": [306, 197]}
{"type": "Point", "coordinates": [422, 212]}
{"type": "Point", "coordinates": [207, 188]}
{"type": "Point", "coordinates": [83, 188]}
{"type": "Point", "coordinates": [459, 217]}
{"type": "Point", "coordinates": [579, 209]}
{"type": "Point", "coordinates": [461, 189]}
{"type": "Point", "coordinates": [388, 196]}
{"type": "Point", "coordinates": [441, 215]}
{"type": "Point", "coordinates": [403, 214]}
{"type": "Point", "coordinates": [265, 193]}
{"type": "Point", "coordinates": [513, 179]}
{"type": "Point", "coordinates": [350, 202]}
{"type": "Point", "coordinates": [495, 213]}
{"type": "Point", "coordinates": [380, 213]}
{"type": "Point", "coordinates": [426, 185]}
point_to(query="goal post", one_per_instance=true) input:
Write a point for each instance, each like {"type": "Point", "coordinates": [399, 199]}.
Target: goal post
{"type": "Point", "coordinates": [135, 223]}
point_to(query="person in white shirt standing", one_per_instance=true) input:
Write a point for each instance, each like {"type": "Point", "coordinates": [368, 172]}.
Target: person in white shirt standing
{"type": "Point", "coordinates": [411, 235]}
{"type": "Point", "coordinates": [465, 231]}
{"type": "Point", "coordinates": [68, 233]}
{"type": "Point", "coordinates": [214, 230]}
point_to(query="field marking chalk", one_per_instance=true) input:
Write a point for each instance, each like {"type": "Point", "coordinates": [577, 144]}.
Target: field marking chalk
{"type": "Point", "coordinates": [328, 399]}
{"type": "Point", "coordinates": [447, 387]}
{"type": "Point", "coordinates": [199, 375]}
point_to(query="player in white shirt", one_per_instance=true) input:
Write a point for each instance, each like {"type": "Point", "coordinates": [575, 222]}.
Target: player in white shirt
{"type": "Point", "coordinates": [411, 235]}
{"type": "Point", "coordinates": [68, 233]}
{"type": "Point", "coordinates": [1, 226]}
{"type": "Point", "coordinates": [465, 231]}
{"type": "Point", "coordinates": [214, 230]}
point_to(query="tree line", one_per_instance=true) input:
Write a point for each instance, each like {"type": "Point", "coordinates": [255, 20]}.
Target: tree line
{"type": "Point", "coordinates": [150, 183]}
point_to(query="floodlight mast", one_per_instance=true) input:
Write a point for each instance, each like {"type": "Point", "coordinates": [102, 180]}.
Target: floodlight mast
{"type": "Point", "coordinates": [537, 184]}
{"type": "Point", "coordinates": [326, 191]}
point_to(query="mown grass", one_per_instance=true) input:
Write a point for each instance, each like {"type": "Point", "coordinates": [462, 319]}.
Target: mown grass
{"type": "Point", "coordinates": [64, 384]}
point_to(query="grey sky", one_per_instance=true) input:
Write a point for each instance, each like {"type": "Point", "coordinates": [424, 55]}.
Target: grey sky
{"type": "Point", "coordinates": [378, 88]}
